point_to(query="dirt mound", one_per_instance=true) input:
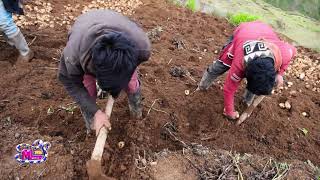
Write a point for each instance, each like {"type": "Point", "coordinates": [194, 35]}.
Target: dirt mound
{"type": "Point", "coordinates": [226, 165]}
{"type": "Point", "coordinates": [32, 97]}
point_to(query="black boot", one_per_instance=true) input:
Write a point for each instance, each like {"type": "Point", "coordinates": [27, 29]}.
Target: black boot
{"type": "Point", "coordinates": [135, 107]}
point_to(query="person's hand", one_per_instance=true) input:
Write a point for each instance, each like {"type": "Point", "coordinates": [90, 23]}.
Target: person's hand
{"type": "Point", "coordinates": [279, 81]}
{"type": "Point", "coordinates": [231, 115]}
{"type": "Point", "coordinates": [100, 120]}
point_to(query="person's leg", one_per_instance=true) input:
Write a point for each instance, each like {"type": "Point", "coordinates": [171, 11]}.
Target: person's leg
{"type": "Point", "coordinates": [134, 96]}
{"type": "Point", "coordinates": [248, 97]}
{"type": "Point", "coordinates": [214, 70]}
{"type": "Point", "coordinates": [13, 34]}
{"type": "Point", "coordinates": [89, 83]}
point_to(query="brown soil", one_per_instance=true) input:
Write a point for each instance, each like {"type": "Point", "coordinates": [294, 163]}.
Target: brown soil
{"type": "Point", "coordinates": [187, 39]}
{"type": "Point", "coordinates": [221, 164]}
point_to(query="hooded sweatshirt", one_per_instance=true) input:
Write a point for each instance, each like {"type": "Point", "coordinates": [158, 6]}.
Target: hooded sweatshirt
{"type": "Point", "coordinates": [233, 56]}
{"type": "Point", "coordinates": [76, 58]}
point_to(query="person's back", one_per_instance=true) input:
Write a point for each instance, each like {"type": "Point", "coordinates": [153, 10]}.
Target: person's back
{"type": "Point", "coordinates": [254, 30]}
{"type": "Point", "coordinates": [91, 26]}
{"type": "Point", "coordinates": [103, 48]}
{"type": "Point", "coordinates": [254, 52]}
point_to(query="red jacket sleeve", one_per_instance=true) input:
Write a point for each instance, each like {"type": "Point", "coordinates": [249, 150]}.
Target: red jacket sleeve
{"type": "Point", "coordinates": [232, 82]}
{"type": "Point", "coordinates": [289, 53]}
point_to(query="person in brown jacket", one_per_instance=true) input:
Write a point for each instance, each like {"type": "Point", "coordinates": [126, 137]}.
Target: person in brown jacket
{"type": "Point", "coordinates": [103, 47]}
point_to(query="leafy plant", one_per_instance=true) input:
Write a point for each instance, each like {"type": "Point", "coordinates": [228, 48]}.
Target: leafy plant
{"type": "Point", "coordinates": [192, 4]}
{"type": "Point", "coordinates": [239, 18]}
{"type": "Point", "coordinates": [69, 108]}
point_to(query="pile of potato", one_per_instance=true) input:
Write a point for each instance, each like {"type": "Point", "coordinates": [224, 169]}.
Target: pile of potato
{"type": "Point", "coordinates": [126, 7]}
{"type": "Point", "coordinates": [38, 13]}
{"type": "Point", "coordinates": [307, 71]}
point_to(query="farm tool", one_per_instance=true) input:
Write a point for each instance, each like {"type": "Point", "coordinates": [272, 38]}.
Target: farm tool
{"type": "Point", "coordinates": [247, 113]}
{"type": "Point", "coordinates": [94, 165]}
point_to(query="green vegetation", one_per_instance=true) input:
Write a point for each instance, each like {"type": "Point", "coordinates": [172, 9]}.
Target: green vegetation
{"type": "Point", "coordinates": [310, 8]}
{"type": "Point", "coordinates": [239, 18]}
{"type": "Point", "coordinates": [192, 4]}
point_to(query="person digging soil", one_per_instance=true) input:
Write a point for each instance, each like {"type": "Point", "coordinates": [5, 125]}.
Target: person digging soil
{"type": "Point", "coordinates": [256, 53]}
{"type": "Point", "coordinates": [103, 48]}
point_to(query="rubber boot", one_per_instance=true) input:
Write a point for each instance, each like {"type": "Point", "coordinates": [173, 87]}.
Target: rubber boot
{"type": "Point", "coordinates": [135, 107]}
{"type": "Point", "coordinates": [20, 43]}
{"type": "Point", "coordinates": [7, 39]}
{"type": "Point", "coordinates": [248, 97]}
{"type": "Point", "coordinates": [88, 119]}
{"type": "Point", "coordinates": [206, 81]}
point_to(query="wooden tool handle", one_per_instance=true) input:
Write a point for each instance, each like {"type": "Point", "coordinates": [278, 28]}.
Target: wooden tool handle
{"type": "Point", "coordinates": [102, 136]}
{"type": "Point", "coordinates": [247, 113]}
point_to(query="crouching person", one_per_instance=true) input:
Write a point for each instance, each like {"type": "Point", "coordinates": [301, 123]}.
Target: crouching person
{"type": "Point", "coordinates": [103, 48]}
{"type": "Point", "coordinates": [254, 52]}
{"type": "Point", "coordinates": [11, 32]}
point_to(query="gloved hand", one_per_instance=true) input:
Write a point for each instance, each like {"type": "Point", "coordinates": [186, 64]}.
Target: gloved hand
{"type": "Point", "coordinates": [100, 119]}
{"type": "Point", "coordinates": [232, 115]}
{"type": "Point", "coordinates": [279, 80]}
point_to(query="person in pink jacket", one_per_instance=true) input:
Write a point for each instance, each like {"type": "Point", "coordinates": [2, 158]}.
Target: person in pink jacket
{"type": "Point", "coordinates": [256, 53]}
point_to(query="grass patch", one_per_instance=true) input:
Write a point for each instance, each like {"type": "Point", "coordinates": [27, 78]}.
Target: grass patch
{"type": "Point", "coordinates": [192, 4]}
{"type": "Point", "coordinates": [239, 18]}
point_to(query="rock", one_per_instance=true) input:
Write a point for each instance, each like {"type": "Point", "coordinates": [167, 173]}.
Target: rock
{"type": "Point", "coordinates": [282, 105]}
{"type": "Point", "coordinates": [308, 86]}
{"type": "Point", "coordinates": [290, 84]}
{"type": "Point", "coordinates": [144, 162]}
{"type": "Point", "coordinates": [17, 135]}
{"type": "Point", "coordinates": [293, 93]}
{"type": "Point", "coordinates": [216, 51]}
{"type": "Point", "coordinates": [153, 163]}
{"type": "Point", "coordinates": [186, 92]}
{"type": "Point", "coordinates": [302, 76]}
{"type": "Point", "coordinates": [178, 71]}
{"type": "Point", "coordinates": [121, 144]}
{"type": "Point", "coordinates": [123, 167]}
{"type": "Point", "coordinates": [304, 114]}
{"type": "Point", "coordinates": [287, 105]}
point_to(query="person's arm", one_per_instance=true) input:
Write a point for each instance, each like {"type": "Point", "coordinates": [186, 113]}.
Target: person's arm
{"type": "Point", "coordinates": [286, 60]}
{"type": "Point", "coordinates": [75, 88]}
{"type": "Point", "coordinates": [285, 63]}
{"type": "Point", "coordinates": [231, 85]}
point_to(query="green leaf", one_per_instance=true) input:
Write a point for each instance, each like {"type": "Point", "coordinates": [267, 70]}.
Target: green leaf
{"type": "Point", "coordinates": [237, 19]}
{"type": "Point", "coordinates": [191, 4]}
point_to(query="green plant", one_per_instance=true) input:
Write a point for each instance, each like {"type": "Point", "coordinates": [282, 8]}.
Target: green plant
{"type": "Point", "coordinates": [192, 4]}
{"type": "Point", "coordinates": [70, 108]}
{"type": "Point", "coordinates": [239, 18]}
